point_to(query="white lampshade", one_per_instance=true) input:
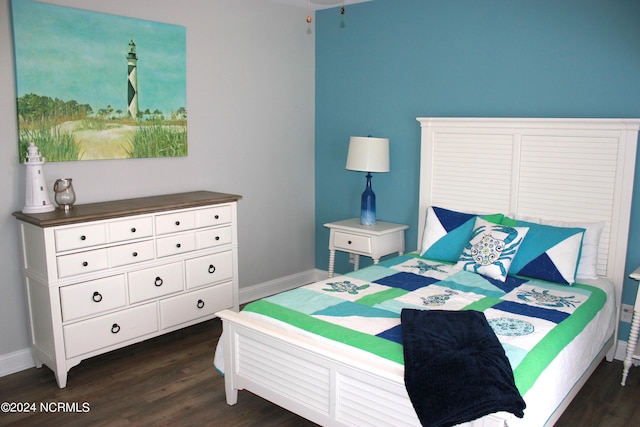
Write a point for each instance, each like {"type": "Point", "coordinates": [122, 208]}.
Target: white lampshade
{"type": "Point", "coordinates": [367, 154]}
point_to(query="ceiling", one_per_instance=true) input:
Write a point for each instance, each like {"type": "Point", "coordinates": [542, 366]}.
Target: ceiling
{"type": "Point", "coordinates": [319, 4]}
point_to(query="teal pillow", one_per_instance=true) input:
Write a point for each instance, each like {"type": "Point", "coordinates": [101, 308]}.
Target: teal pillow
{"type": "Point", "coordinates": [446, 233]}
{"type": "Point", "coordinates": [548, 253]}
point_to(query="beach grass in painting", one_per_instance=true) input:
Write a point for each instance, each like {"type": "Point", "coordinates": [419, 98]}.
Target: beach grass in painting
{"type": "Point", "coordinates": [98, 86]}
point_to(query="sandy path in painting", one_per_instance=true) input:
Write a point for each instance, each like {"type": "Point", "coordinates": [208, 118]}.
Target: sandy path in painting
{"type": "Point", "coordinates": [110, 143]}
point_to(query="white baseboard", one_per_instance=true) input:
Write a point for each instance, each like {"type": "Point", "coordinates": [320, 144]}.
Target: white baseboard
{"type": "Point", "coordinates": [261, 290]}
{"type": "Point", "coordinates": [17, 361]}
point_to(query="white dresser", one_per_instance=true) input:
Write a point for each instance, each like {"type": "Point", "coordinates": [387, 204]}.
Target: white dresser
{"type": "Point", "coordinates": [106, 275]}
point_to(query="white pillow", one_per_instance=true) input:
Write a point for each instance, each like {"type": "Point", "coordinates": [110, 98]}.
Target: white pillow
{"type": "Point", "coordinates": [587, 266]}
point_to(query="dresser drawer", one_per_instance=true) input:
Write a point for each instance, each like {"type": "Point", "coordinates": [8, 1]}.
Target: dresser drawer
{"type": "Point", "coordinates": [352, 242]}
{"type": "Point", "coordinates": [93, 297]}
{"type": "Point", "coordinates": [213, 237]}
{"type": "Point", "coordinates": [175, 245]}
{"type": "Point", "coordinates": [127, 229]}
{"type": "Point", "coordinates": [111, 329]}
{"type": "Point", "coordinates": [193, 305]}
{"type": "Point", "coordinates": [155, 282]}
{"type": "Point", "coordinates": [81, 263]}
{"type": "Point", "coordinates": [209, 269]}
{"type": "Point", "coordinates": [172, 223]}
{"type": "Point", "coordinates": [80, 237]}
{"type": "Point", "coordinates": [213, 216]}
{"type": "Point", "coordinates": [131, 253]}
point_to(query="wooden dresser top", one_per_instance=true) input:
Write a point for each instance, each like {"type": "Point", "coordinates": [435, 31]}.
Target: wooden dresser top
{"type": "Point", "coordinates": [126, 207]}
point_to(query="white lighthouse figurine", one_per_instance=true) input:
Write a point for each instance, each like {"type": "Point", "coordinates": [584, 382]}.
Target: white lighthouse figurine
{"type": "Point", "coordinates": [37, 197]}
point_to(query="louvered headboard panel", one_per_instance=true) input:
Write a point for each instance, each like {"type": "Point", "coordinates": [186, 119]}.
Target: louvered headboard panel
{"type": "Point", "coordinates": [557, 169]}
{"type": "Point", "coordinates": [571, 178]}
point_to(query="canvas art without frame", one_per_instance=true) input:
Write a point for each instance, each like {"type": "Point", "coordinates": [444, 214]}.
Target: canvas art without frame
{"type": "Point", "coordinates": [98, 86]}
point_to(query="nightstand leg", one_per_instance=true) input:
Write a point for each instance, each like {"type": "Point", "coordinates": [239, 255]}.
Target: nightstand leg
{"type": "Point", "coordinates": [631, 345]}
{"type": "Point", "coordinates": [356, 262]}
{"type": "Point", "coordinates": [332, 261]}
{"type": "Point", "coordinates": [376, 260]}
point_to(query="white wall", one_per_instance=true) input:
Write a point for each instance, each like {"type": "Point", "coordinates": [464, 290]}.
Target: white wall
{"type": "Point", "coordinates": [250, 103]}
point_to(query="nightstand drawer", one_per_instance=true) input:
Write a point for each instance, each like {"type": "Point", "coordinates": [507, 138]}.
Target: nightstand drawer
{"type": "Point", "coordinates": [131, 253]}
{"type": "Point", "coordinates": [136, 228]}
{"type": "Point", "coordinates": [93, 297]}
{"type": "Point", "coordinates": [352, 242]}
{"type": "Point", "coordinates": [81, 263]}
{"type": "Point", "coordinates": [105, 331]}
{"type": "Point", "coordinates": [196, 304]}
{"type": "Point", "coordinates": [155, 282]}
{"type": "Point", "coordinates": [80, 237]}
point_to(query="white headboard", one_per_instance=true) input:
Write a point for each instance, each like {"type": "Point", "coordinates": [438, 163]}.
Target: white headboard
{"type": "Point", "coordinates": [558, 169]}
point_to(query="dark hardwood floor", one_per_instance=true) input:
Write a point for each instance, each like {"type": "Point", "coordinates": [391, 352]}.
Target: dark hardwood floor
{"type": "Point", "coordinates": [170, 381]}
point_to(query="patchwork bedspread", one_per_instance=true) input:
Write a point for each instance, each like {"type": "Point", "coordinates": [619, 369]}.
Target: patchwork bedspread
{"type": "Point", "coordinates": [532, 319]}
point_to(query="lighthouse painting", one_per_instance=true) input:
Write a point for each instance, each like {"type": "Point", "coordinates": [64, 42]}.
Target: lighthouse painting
{"type": "Point", "coordinates": [96, 86]}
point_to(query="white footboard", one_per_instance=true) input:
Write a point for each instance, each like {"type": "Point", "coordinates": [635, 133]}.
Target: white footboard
{"type": "Point", "coordinates": [327, 386]}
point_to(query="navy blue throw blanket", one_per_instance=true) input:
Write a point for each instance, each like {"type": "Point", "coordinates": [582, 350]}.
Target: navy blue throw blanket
{"type": "Point", "coordinates": [455, 367]}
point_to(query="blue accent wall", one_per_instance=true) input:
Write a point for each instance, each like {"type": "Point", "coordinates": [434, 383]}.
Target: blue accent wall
{"type": "Point", "coordinates": [386, 62]}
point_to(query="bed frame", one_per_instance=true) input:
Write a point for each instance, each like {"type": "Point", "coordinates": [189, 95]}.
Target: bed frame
{"type": "Point", "coordinates": [560, 169]}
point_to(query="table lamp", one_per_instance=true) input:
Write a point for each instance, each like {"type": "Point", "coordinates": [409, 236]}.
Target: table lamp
{"type": "Point", "coordinates": [368, 154]}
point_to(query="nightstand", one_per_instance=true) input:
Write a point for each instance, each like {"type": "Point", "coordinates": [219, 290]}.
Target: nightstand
{"type": "Point", "coordinates": [633, 334]}
{"type": "Point", "coordinates": [375, 241]}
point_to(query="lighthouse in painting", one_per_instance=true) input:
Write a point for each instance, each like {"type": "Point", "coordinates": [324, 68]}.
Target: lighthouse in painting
{"type": "Point", "coordinates": [132, 77]}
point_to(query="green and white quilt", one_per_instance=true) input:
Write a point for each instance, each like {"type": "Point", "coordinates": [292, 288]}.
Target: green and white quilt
{"type": "Point", "coordinates": [533, 320]}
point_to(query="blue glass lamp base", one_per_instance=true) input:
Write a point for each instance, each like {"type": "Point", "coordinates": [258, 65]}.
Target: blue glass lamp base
{"type": "Point", "coordinates": [368, 205]}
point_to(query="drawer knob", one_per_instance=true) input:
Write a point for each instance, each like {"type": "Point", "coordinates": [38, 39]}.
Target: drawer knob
{"type": "Point", "coordinates": [178, 245]}
{"type": "Point", "coordinates": [212, 268]}
{"type": "Point", "coordinates": [158, 281]}
{"type": "Point", "coordinates": [133, 229]}
{"type": "Point", "coordinates": [217, 216]}
{"type": "Point", "coordinates": [83, 237]}
{"type": "Point", "coordinates": [85, 263]}
{"type": "Point", "coordinates": [177, 222]}
{"type": "Point", "coordinates": [349, 242]}
{"type": "Point", "coordinates": [97, 296]}
{"type": "Point", "coordinates": [135, 254]}
{"type": "Point", "coordinates": [200, 303]}
{"type": "Point", "coordinates": [115, 328]}
{"type": "Point", "coordinates": [217, 237]}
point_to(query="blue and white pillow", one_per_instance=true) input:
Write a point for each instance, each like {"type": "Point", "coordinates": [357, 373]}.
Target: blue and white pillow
{"type": "Point", "coordinates": [446, 233]}
{"type": "Point", "coordinates": [548, 253]}
{"type": "Point", "coordinates": [588, 263]}
{"type": "Point", "coordinates": [491, 249]}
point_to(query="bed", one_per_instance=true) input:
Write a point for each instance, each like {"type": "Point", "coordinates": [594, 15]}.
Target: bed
{"type": "Point", "coordinates": [567, 174]}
